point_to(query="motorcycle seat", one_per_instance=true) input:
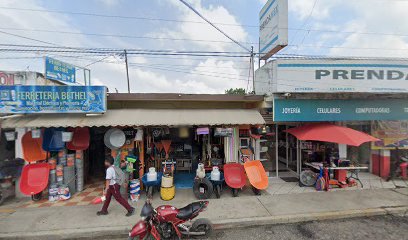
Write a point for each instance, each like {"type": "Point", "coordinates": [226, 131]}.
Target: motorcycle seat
{"type": "Point", "coordinates": [188, 211]}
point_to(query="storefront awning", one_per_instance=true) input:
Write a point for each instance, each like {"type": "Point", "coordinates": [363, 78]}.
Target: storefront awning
{"type": "Point", "coordinates": [140, 117]}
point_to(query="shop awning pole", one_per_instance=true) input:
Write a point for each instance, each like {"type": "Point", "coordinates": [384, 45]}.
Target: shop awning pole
{"type": "Point", "coordinates": [287, 148]}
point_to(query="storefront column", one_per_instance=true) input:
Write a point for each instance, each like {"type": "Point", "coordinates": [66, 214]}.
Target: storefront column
{"type": "Point", "coordinates": [287, 148]}
{"type": "Point", "coordinates": [342, 151]}
{"type": "Point", "coordinates": [375, 162]}
{"type": "Point", "coordinates": [385, 156]}
{"type": "Point", "coordinates": [276, 150]}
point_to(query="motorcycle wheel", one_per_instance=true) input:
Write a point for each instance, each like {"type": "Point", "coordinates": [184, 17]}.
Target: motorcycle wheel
{"type": "Point", "coordinates": [36, 197]}
{"type": "Point", "coordinates": [234, 192]}
{"type": "Point", "coordinates": [218, 191]}
{"type": "Point", "coordinates": [203, 225]}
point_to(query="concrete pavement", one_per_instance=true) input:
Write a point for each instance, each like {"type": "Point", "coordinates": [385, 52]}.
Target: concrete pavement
{"type": "Point", "coordinates": [245, 210]}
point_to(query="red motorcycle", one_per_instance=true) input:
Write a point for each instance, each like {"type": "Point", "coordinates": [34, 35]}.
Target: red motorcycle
{"type": "Point", "coordinates": [168, 222]}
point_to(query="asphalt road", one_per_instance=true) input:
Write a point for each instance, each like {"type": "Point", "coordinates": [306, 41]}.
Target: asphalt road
{"type": "Point", "coordinates": [381, 227]}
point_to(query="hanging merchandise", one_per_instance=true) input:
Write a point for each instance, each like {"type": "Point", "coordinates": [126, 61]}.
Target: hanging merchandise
{"type": "Point", "coordinates": [10, 136]}
{"type": "Point", "coordinates": [139, 135]}
{"type": "Point", "coordinates": [32, 148]}
{"type": "Point", "coordinates": [36, 133]}
{"type": "Point", "coordinates": [114, 138]}
{"type": "Point", "coordinates": [223, 132]}
{"type": "Point", "coordinates": [67, 136]}
{"type": "Point", "coordinates": [52, 140]}
{"type": "Point", "coordinates": [156, 132]}
{"type": "Point", "coordinates": [203, 131]}
{"type": "Point", "coordinates": [183, 132]}
{"type": "Point", "coordinates": [80, 138]}
{"type": "Point", "coordinates": [53, 177]}
{"type": "Point", "coordinates": [62, 158]}
{"type": "Point", "coordinates": [166, 147]}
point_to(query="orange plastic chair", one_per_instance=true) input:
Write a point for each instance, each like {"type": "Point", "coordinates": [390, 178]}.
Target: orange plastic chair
{"type": "Point", "coordinates": [256, 174]}
{"type": "Point", "coordinates": [32, 148]}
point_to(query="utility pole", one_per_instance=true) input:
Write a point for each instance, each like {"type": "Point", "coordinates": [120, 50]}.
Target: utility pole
{"type": "Point", "coordinates": [253, 69]}
{"type": "Point", "coordinates": [127, 71]}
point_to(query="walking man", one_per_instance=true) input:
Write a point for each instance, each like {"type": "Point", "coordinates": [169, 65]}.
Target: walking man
{"type": "Point", "coordinates": [112, 187]}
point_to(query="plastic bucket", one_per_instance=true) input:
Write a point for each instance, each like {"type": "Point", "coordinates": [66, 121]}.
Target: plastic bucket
{"type": "Point", "coordinates": [67, 136]}
{"type": "Point", "coordinates": [167, 182]}
{"type": "Point", "coordinates": [36, 133]}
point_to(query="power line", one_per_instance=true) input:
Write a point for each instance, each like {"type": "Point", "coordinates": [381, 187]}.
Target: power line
{"type": "Point", "coordinates": [119, 35]}
{"type": "Point", "coordinates": [214, 26]}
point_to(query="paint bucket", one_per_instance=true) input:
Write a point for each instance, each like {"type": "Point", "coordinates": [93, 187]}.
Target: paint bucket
{"type": "Point", "coordinates": [167, 181]}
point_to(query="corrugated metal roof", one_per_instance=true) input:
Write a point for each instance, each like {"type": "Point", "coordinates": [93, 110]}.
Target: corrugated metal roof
{"type": "Point", "coordinates": [141, 117]}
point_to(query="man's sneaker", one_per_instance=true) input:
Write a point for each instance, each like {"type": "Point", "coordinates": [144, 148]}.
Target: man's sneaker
{"type": "Point", "coordinates": [101, 213]}
{"type": "Point", "coordinates": [130, 212]}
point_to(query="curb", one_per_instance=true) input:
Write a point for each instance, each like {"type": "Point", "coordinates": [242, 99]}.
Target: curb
{"type": "Point", "coordinates": [119, 231]}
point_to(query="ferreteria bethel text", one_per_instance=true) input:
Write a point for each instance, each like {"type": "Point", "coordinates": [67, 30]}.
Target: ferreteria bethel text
{"type": "Point", "coordinates": [37, 96]}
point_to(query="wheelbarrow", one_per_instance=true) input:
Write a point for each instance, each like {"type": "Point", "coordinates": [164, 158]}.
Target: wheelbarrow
{"type": "Point", "coordinates": [150, 185]}
{"type": "Point", "coordinates": [34, 179]}
{"type": "Point", "coordinates": [256, 175]}
{"type": "Point", "coordinates": [235, 178]}
{"type": "Point", "coordinates": [217, 184]}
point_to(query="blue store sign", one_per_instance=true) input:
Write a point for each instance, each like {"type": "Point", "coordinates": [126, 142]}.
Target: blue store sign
{"type": "Point", "coordinates": [52, 99]}
{"type": "Point", "coordinates": [60, 71]}
{"type": "Point", "coordinates": [310, 110]}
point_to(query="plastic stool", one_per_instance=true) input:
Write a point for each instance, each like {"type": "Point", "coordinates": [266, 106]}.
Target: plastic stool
{"type": "Point", "coordinates": [404, 167]}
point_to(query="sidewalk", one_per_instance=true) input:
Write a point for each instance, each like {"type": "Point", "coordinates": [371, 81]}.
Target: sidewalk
{"type": "Point", "coordinates": [227, 212]}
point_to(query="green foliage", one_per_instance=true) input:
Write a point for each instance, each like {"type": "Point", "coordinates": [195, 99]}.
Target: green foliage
{"type": "Point", "coordinates": [237, 91]}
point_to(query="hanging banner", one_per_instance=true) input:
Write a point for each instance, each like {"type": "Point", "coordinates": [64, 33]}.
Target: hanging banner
{"type": "Point", "coordinates": [52, 99]}
{"type": "Point", "coordinates": [60, 71]}
{"type": "Point", "coordinates": [317, 110]}
{"type": "Point", "coordinates": [392, 134]}
{"type": "Point", "coordinates": [273, 30]}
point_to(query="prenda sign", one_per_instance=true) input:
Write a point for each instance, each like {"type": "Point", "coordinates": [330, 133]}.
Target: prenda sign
{"type": "Point", "coordinates": [332, 75]}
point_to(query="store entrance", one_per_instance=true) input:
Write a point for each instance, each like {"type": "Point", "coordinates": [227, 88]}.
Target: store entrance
{"type": "Point", "coordinates": [287, 146]}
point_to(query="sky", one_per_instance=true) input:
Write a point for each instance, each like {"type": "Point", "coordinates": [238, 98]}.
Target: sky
{"type": "Point", "coordinates": [374, 28]}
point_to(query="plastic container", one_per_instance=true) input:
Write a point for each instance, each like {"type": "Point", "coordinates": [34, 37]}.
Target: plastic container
{"type": "Point", "coordinates": [200, 173]}
{"type": "Point", "coordinates": [215, 174]}
{"type": "Point", "coordinates": [167, 181]}
{"type": "Point", "coordinates": [152, 175]}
